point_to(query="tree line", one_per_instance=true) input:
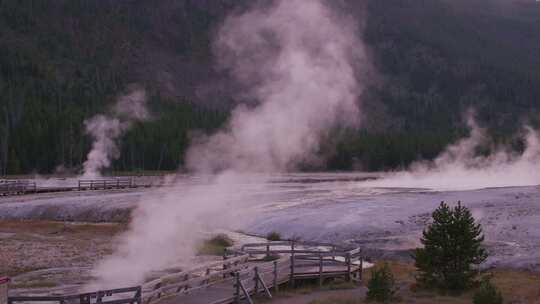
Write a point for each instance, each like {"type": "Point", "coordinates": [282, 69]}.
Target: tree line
{"type": "Point", "coordinates": [64, 61]}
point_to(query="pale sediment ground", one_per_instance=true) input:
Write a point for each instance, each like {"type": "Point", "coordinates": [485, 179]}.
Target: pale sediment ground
{"type": "Point", "coordinates": [49, 257]}
{"type": "Point", "coordinates": [386, 222]}
{"type": "Point", "coordinates": [85, 206]}
{"type": "Point", "coordinates": [46, 255]}
{"type": "Point", "coordinates": [389, 224]}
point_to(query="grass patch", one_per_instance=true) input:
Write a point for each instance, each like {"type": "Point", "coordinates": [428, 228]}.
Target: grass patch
{"type": "Point", "coordinates": [216, 245]}
{"type": "Point", "coordinates": [337, 301]}
{"type": "Point", "coordinates": [273, 236]}
{"type": "Point", "coordinates": [15, 271]}
{"type": "Point", "coordinates": [516, 287]}
{"type": "Point", "coordinates": [59, 227]}
{"type": "Point", "coordinates": [34, 284]}
{"type": "Point", "coordinates": [310, 286]}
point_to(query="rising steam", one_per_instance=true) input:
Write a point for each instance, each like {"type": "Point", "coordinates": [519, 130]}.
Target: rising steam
{"type": "Point", "coordinates": [105, 131]}
{"type": "Point", "coordinates": [460, 167]}
{"type": "Point", "coordinates": [295, 58]}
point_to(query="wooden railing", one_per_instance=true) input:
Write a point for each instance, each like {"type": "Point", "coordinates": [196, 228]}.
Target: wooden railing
{"type": "Point", "coordinates": [88, 298]}
{"type": "Point", "coordinates": [261, 267]}
{"type": "Point", "coordinates": [107, 184]}
{"type": "Point", "coordinates": [256, 268]}
{"type": "Point", "coordinates": [312, 260]}
{"type": "Point", "coordinates": [14, 187]}
{"type": "Point", "coordinates": [193, 279]}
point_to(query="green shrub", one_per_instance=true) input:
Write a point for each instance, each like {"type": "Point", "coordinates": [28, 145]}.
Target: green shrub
{"type": "Point", "coordinates": [222, 240]}
{"type": "Point", "coordinates": [487, 293]}
{"type": "Point", "coordinates": [273, 236]}
{"type": "Point", "coordinates": [216, 245]}
{"type": "Point", "coordinates": [453, 246]}
{"type": "Point", "coordinates": [381, 285]}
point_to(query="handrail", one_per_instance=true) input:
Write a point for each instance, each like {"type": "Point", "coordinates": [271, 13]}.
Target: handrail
{"type": "Point", "coordinates": [113, 183]}
{"type": "Point", "coordinates": [178, 275]}
{"type": "Point", "coordinates": [188, 280]}
{"type": "Point", "coordinates": [13, 187]}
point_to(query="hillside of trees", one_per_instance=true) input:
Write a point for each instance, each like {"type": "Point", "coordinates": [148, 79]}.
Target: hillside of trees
{"type": "Point", "coordinates": [63, 61]}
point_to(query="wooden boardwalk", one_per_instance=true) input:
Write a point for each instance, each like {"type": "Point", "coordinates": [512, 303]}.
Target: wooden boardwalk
{"type": "Point", "coordinates": [257, 269]}
{"type": "Point", "coordinates": [236, 279]}
{"type": "Point", "coordinates": [23, 187]}
{"type": "Point", "coordinates": [16, 187]}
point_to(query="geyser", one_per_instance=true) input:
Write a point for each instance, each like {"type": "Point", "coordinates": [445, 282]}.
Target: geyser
{"type": "Point", "coordinates": [459, 167]}
{"type": "Point", "coordinates": [299, 60]}
{"type": "Point", "coordinates": [106, 130]}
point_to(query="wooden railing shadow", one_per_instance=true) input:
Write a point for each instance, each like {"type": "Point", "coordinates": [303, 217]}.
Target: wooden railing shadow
{"type": "Point", "coordinates": [102, 297]}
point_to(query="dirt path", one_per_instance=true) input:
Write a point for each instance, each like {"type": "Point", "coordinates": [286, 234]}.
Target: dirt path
{"type": "Point", "coordinates": [299, 298]}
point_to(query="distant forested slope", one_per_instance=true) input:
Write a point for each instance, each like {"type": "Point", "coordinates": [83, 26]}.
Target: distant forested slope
{"type": "Point", "coordinates": [62, 61]}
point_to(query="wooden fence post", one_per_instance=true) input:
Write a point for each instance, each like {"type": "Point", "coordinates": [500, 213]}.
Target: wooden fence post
{"type": "Point", "coordinates": [207, 276]}
{"type": "Point", "coordinates": [100, 295]}
{"type": "Point", "coordinates": [320, 270]}
{"type": "Point", "coordinates": [361, 269]}
{"type": "Point", "coordinates": [291, 278]}
{"type": "Point", "coordinates": [237, 288]}
{"type": "Point", "coordinates": [256, 279]}
{"type": "Point", "coordinates": [276, 287]}
{"type": "Point", "coordinates": [225, 262]}
{"type": "Point", "coordinates": [4, 282]}
{"type": "Point", "coordinates": [348, 260]}
{"type": "Point", "coordinates": [138, 295]}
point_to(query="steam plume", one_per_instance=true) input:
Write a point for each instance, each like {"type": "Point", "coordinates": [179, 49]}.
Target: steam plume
{"type": "Point", "coordinates": [460, 168]}
{"type": "Point", "coordinates": [295, 59]}
{"type": "Point", "coordinates": [107, 129]}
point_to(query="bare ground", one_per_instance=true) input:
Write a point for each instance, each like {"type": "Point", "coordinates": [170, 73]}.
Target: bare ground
{"type": "Point", "coordinates": [516, 287]}
{"type": "Point", "coordinates": [47, 254]}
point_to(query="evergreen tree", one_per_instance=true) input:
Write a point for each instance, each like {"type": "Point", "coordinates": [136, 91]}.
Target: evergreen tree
{"type": "Point", "coordinates": [381, 285]}
{"type": "Point", "coordinates": [452, 249]}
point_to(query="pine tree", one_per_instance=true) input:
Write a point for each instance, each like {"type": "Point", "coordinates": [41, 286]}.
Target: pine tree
{"type": "Point", "coordinates": [452, 249]}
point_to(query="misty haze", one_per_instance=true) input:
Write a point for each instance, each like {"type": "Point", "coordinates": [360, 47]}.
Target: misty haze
{"type": "Point", "coordinates": [286, 151]}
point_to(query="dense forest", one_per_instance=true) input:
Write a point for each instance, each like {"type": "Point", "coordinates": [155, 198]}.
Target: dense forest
{"type": "Point", "coordinates": [63, 61]}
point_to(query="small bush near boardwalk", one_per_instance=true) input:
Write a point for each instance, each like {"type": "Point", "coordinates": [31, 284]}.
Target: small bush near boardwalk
{"type": "Point", "coordinates": [216, 245]}
{"type": "Point", "coordinates": [487, 293]}
{"type": "Point", "coordinates": [273, 236]}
